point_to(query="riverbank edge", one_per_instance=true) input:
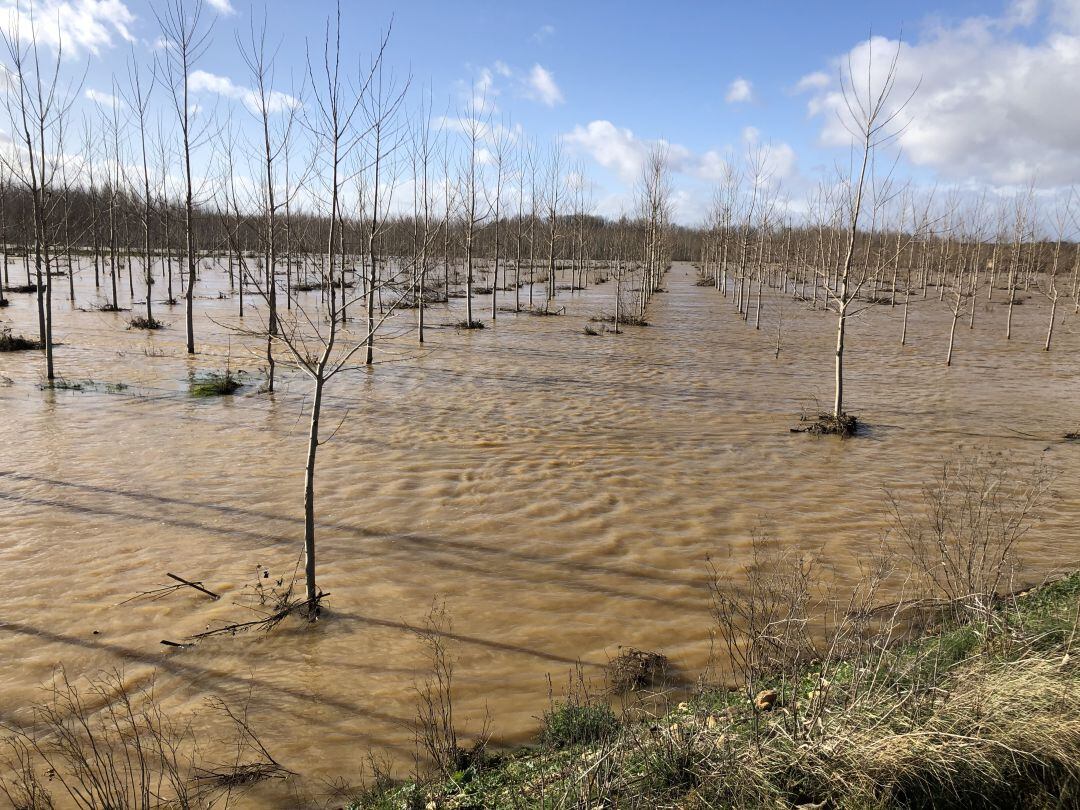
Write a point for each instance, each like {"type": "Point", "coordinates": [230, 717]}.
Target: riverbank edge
{"type": "Point", "coordinates": [973, 714]}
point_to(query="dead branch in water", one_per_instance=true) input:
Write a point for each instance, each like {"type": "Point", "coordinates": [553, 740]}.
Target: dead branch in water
{"type": "Point", "coordinates": [306, 607]}
{"type": "Point", "coordinates": [165, 590]}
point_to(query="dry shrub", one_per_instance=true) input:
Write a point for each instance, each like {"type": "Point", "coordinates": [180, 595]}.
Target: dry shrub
{"type": "Point", "coordinates": [964, 538]}
{"type": "Point", "coordinates": [15, 343]}
{"type": "Point", "coordinates": [108, 745]}
{"type": "Point", "coordinates": [633, 669]}
{"type": "Point", "coordinates": [436, 733]}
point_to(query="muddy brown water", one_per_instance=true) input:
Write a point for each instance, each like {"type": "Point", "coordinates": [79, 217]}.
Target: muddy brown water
{"type": "Point", "coordinates": [562, 493]}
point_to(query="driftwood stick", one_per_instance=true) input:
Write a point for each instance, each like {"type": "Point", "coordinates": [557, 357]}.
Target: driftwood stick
{"type": "Point", "coordinates": [196, 585]}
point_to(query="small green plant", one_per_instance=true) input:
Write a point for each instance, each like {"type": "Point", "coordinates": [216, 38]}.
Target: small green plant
{"type": "Point", "coordinates": [570, 723]}
{"type": "Point", "coordinates": [215, 384]}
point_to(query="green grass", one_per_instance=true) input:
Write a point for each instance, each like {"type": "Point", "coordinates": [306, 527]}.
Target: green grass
{"type": "Point", "coordinates": [215, 384]}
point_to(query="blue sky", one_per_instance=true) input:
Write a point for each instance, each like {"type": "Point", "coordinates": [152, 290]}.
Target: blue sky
{"type": "Point", "coordinates": [999, 103]}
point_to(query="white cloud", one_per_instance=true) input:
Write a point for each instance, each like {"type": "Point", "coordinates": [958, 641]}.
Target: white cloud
{"type": "Point", "coordinates": [776, 159]}
{"type": "Point", "coordinates": [813, 81]}
{"type": "Point", "coordinates": [543, 87]}
{"type": "Point", "coordinates": [610, 146]}
{"type": "Point", "coordinates": [276, 101]}
{"type": "Point", "coordinates": [739, 91]}
{"type": "Point", "coordinates": [103, 99]}
{"type": "Point", "coordinates": [222, 6]}
{"type": "Point", "coordinates": [994, 105]}
{"type": "Point", "coordinates": [621, 151]}
{"type": "Point", "coordinates": [542, 33]}
{"type": "Point", "coordinates": [76, 25]}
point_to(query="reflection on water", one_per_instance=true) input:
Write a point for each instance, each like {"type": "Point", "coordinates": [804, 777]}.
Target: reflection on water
{"type": "Point", "coordinates": [561, 491]}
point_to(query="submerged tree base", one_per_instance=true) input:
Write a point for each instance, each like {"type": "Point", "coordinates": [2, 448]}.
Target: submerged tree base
{"type": "Point", "coordinates": [215, 384]}
{"type": "Point", "coordinates": [16, 343]}
{"type": "Point", "coordinates": [828, 424]}
{"type": "Point", "coordinates": [624, 320]}
{"type": "Point", "coordinates": [145, 323]}
{"type": "Point", "coordinates": [469, 325]}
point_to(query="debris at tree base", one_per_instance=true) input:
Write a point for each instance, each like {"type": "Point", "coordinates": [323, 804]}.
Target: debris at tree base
{"type": "Point", "coordinates": [308, 609]}
{"type": "Point", "coordinates": [16, 343]}
{"type": "Point", "coordinates": [140, 322]}
{"type": "Point", "coordinates": [467, 324]}
{"type": "Point", "coordinates": [624, 320]}
{"type": "Point", "coordinates": [544, 312]}
{"type": "Point", "coordinates": [633, 669]}
{"type": "Point", "coordinates": [828, 424]}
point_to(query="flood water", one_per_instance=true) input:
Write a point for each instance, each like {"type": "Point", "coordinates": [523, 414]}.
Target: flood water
{"type": "Point", "coordinates": [562, 492]}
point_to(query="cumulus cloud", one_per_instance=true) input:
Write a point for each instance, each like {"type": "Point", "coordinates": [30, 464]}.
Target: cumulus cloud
{"type": "Point", "coordinates": [997, 100]}
{"type": "Point", "coordinates": [621, 151]}
{"type": "Point", "coordinates": [276, 101]}
{"type": "Point", "coordinates": [222, 6]}
{"type": "Point", "coordinates": [76, 25]}
{"type": "Point", "coordinates": [103, 99]}
{"type": "Point", "coordinates": [813, 81]}
{"type": "Point", "coordinates": [739, 91]}
{"type": "Point", "coordinates": [611, 146]}
{"type": "Point", "coordinates": [543, 87]}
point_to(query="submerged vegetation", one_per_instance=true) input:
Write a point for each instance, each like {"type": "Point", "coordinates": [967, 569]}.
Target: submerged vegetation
{"type": "Point", "coordinates": [215, 384]}
{"type": "Point", "coordinates": [16, 343]}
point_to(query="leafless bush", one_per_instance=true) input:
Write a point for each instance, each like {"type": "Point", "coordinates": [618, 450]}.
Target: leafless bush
{"type": "Point", "coordinates": [108, 745]}
{"type": "Point", "coordinates": [436, 733]}
{"type": "Point", "coordinates": [763, 627]}
{"type": "Point", "coordinates": [963, 541]}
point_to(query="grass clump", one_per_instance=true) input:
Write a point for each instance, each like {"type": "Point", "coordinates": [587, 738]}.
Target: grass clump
{"type": "Point", "coordinates": [570, 723]}
{"type": "Point", "coordinates": [828, 424]}
{"type": "Point", "coordinates": [592, 330]}
{"type": "Point", "coordinates": [467, 324]}
{"type": "Point", "coordinates": [215, 384]}
{"type": "Point", "coordinates": [141, 322]}
{"type": "Point", "coordinates": [16, 343]}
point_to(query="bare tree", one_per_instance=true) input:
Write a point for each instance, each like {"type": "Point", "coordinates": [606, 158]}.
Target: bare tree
{"type": "Point", "coordinates": [872, 121]}
{"type": "Point", "coordinates": [37, 102]}
{"type": "Point", "coordinates": [186, 38]}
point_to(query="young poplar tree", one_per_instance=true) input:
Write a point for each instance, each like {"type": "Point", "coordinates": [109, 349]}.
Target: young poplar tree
{"type": "Point", "coordinates": [186, 36]}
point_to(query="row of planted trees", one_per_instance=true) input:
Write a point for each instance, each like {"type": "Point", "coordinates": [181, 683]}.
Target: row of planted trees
{"type": "Point", "coordinates": [346, 181]}
{"type": "Point", "coordinates": [327, 206]}
{"type": "Point", "coordinates": [864, 240]}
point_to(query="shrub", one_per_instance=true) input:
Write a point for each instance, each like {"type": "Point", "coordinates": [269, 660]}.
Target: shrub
{"type": "Point", "coordinates": [16, 343]}
{"type": "Point", "coordinates": [214, 384]}
{"type": "Point", "coordinates": [140, 322]}
{"type": "Point", "coordinates": [571, 723]}
{"type": "Point", "coordinates": [469, 325]}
